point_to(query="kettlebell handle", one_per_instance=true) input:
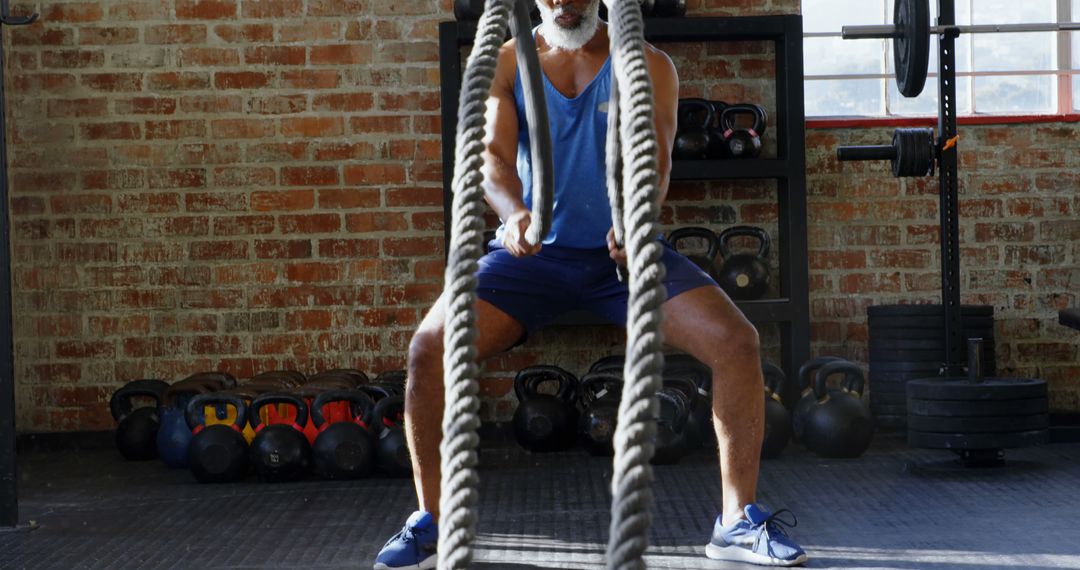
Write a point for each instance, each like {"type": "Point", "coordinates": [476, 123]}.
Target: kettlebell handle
{"type": "Point", "coordinates": [688, 113]}
{"type": "Point", "coordinates": [224, 379]}
{"type": "Point", "coordinates": [387, 408]}
{"type": "Point", "coordinates": [356, 397]}
{"type": "Point", "coordinates": [529, 379]}
{"type": "Point", "coordinates": [268, 398]}
{"type": "Point", "coordinates": [120, 403]}
{"type": "Point", "coordinates": [853, 378]}
{"type": "Point", "coordinates": [695, 232]}
{"type": "Point", "coordinates": [808, 368]}
{"type": "Point", "coordinates": [765, 242]}
{"type": "Point", "coordinates": [195, 406]}
{"type": "Point", "coordinates": [682, 406]}
{"type": "Point", "coordinates": [729, 114]}
{"type": "Point", "coordinates": [774, 380]}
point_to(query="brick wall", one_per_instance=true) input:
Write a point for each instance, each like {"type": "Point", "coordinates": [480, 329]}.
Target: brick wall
{"type": "Point", "coordinates": [245, 185]}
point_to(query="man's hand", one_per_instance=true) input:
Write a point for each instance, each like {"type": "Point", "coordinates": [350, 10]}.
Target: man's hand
{"type": "Point", "coordinates": [514, 235]}
{"type": "Point", "coordinates": [617, 253]}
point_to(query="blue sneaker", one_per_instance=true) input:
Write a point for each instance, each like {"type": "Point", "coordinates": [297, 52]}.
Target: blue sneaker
{"type": "Point", "coordinates": [413, 547]}
{"type": "Point", "coordinates": [757, 539]}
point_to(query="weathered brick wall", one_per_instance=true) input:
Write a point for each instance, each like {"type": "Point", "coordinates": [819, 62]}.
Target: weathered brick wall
{"type": "Point", "coordinates": [245, 185]}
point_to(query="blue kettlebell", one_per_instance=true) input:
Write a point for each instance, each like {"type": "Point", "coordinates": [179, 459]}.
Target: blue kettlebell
{"type": "Point", "coordinates": [174, 435]}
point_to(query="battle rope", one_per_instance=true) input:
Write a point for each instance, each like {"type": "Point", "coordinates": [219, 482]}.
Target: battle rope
{"type": "Point", "coordinates": [460, 418]}
{"type": "Point", "coordinates": [635, 220]}
{"type": "Point", "coordinates": [632, 181]}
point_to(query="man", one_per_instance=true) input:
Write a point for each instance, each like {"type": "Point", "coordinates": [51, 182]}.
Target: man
{"type": "Point", "coordinates": [522, 287]}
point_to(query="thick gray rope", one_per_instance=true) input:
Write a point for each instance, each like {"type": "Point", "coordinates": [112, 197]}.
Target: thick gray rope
{"type": "Point", "coordinates": [459, 478]}
{"type": "Point", "coordinates": [632, 477]}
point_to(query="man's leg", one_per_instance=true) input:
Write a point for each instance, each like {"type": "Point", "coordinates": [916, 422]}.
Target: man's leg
{"type": "Point", "coordinates": [497, 332]}
{"type": "Point", "coordinates": [706, 324]}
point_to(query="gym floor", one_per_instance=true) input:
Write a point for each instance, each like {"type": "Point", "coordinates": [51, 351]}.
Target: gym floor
{"type": "Point", "coordinates": [894, 508]}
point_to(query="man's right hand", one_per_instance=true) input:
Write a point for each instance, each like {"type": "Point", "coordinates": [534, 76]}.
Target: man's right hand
{"type": "Point", "coordinates": [514, 234]}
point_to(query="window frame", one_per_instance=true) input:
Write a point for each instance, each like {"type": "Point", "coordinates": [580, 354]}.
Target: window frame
{"type": "Point", "coordinates": [1066, 72]}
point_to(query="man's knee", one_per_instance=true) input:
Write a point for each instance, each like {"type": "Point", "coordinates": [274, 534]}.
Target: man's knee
{"type": "Point", "coordinates": [425, 350]}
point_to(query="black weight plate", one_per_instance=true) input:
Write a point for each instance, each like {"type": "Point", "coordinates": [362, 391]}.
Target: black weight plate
{"type": "Point", "coordinates": [893, 391]}
{"type": "Point", "coordinates": [885, 333]}
{"type": "Point", "coordinates": [923, 343]}
{"type": "Point", "coordinates": [1002, 440]}
{"type": "Point", "coordinates": [984, 424]}
{"type": "Point", "coordinates": [887, 421]}
{"type": "Point", "coordinates": [900, 367]}
{"type": "Point", "coordinates": [900, 377]}
{"type": "Point", "coordinates": [934, 323]}
{"type": "Point", "coordinates": [971, 409]}
{"type": "Point", "coordinates": [911, 46]}
{"type": "Point", "coordinates": [934, 309]}
{"type": "Point", "coordinates": [991, 388]}
{"type": "Point", "coordinates": [913, 355]}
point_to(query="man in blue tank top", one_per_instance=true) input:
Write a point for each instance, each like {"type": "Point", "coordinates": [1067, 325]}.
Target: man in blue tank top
{"type": "Point", "coordinates": [523, 286]}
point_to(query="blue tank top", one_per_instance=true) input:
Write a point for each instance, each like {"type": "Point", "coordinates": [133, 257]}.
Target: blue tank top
{"type": "Point", "coordinates": [582, 213]}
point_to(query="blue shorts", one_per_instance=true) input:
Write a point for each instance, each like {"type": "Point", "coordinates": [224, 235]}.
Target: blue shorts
{"type": "Point", "coordinates": [537, 289]}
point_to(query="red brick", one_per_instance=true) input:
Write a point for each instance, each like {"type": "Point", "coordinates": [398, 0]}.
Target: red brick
{"type": "Point", "coordinates": [219, 250]}
{"type": "Point", "coordinates": [375, 174]}
{"type": "Point", "coordinates": [309, 176]}
{"type": "Point", "coordinates": [41, 36]}
{"type": "Point", "coordinates": [176, 34]}
{"type": "Point", "coordinates": [341, 54]}
{"type": "Point", "coordinates": [277, 152]}
{"type": "Point", "coordinates": [413, 247]}
{"type": "Point", "coordinates": [428, 221]}
{"type": "Point", "coordinates": [406, 52]}
{"type": "Point", "coordinates": [411, 293]}
{"type": "Point", "coordinates": [311, 79]}
{"type": "Point", "coordinates": [837, 259]}
{"type": "Point", "coordinates": [186, 276]}
{"type": "Point", "coordinates": [81, 204]}
{"type": "Point", "coordinates": [283, 200]}
{"type": "Point", "coordinates": [245, 33]}
{"type": "Point", "coordinates": [363, 222]}
{"type": "Point", "coordinates": [309, 31]}
{"type": "Point", "coordinates": [49, 82]}
{"type": "Point", "coordinates": [243, 225]}
{"type": "Point", "coordinates": [336, 7]}
{"type": "Point", "coordinates": [1010, 232]}
{"type": "Point", "coordinates": [278, 104]}
{"type": "Point", "coordinates": [205, 9]}
{"type": "Point", "coordinates": [73, 12]}
{"type": "Point", "coordinates": [869, 283]}
{"type": "Point", "coordinates": [348, 248]}
{"type": "Point", "coordinates": [114, 276]}
{"type": "Point", "coordinates": [379, 124]}
{"type": "Point", "coordinates": [313, 272]}
{"type": "Point", "coordinates": [43, 181]}
{"type": "Point", "coordinates": [178, 178]}
{"type": "Point", "coordinates": [275, 55]}
{"type": "Point", "coordinates": [146, 106]}
{"type": "Point", "coordinates": [242, 128]}
{"type": "Point", "coordinates": [217, 345]}
{"type": "Point", "coordinates": [282, 249]}
{"type": "Point", "coordinates": [177, 81]}
{"type": "Point", "coordinates": [110, 131]}
{"type": "Point", "coordinates": [388, 317]}
{"type": "Point", "coordinates": [904, 258]}
{"type": "Point", "coordinates": [309, 320]}
{"type": "Point", "coordinates": [1035, 254]}
{"type": "Point", "coordinates": [233, 274]}
{"type": "Point", "coordinates": [240, 176]}
{"type": "Point", "coordinates": [208, 57]}
{"type": "Point", "coordinates": [27, 206]}
{"type": "Point", "coordinates": [345, 151]}
{"type": "Point", "coordinates": [113, 81]}
{"type": "Point", "coordinates": [343, 102]}
{"type": "Point", "coordinates": [110, 228]}
{"type": "Point", "coordinates": [1067, 231]}
{"type": "Point", "coordinates": [1046, 352]}
{"type": "Point", "coordinates": [108, 36]}
{"type": "Point", "coordinates": [310, 223]}
{"type": "Point", "coordinates": [429, 269]}
{"type": "Point", "coordinates": [211, 104]}
{"type": "Point", "coordinates": [72, 59]}
{"type": "Point", "coordinates": [312, 127]}
{"type": "Point", "coordinates": [349, 199]}
{"type": "Point", "coordinates": [272, 8]}
{"type": "Point", "coordinates": [218, 202]}
{"type": "Point", "coordinates": [241, 80]}
{"type": "Point", "coordinates": [171, 130]}
{"type": "Point", "coordinates": [148, 203]}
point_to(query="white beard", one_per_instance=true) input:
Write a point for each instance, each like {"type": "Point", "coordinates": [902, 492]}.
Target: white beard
{"type": "Point", "coordinates": [568, 39]}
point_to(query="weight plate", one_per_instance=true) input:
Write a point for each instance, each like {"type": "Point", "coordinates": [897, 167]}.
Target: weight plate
{"type": "Point", "coordinates": [893, 391]}
{"type": "Point", "coordinates": [915, 355]}
{"type": "Point", "coordinates": [1002, 440]}
{"type": "Point", "coordinates": [929, 322]}
{"type": "Point", "coordinates": [901, 377]}
{"type": "Point", "coordinates": [990, 388]}
{"type": "Point", "coordinates": [914, 344]}
{"type": "Point", "coordinates": [887, 421]}
{"type": "Point", "coordinates": [931, 310]}
{"type": "Point", "coordinates": [972, 409]}
{"type": "Point", "coordinates": [884, 333]}
{"type": "Point", "coordinates": [911, 45]}
{"type": "Point", "coordinates": [910, 367]}
{"type": "Point", "coordinates": [985, 424]}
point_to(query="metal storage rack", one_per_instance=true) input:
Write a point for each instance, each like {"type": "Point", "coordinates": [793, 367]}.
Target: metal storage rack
{"type": "Point", "coordinates": [791, 310]}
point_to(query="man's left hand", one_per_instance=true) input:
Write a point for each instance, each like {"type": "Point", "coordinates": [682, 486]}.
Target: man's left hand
{"type": "Point", "coordinates": [617, 253]}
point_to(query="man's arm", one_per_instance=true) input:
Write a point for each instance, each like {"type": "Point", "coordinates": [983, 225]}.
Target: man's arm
{"type": "Point", "coordinates": [502, 187]}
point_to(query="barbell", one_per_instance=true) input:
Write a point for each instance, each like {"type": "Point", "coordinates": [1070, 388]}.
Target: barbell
{"type": "Point", "coordinates": [911, 31]}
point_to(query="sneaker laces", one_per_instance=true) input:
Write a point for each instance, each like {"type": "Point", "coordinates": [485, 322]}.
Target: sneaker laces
{"type": "Point", "coordinates": [774, 525]}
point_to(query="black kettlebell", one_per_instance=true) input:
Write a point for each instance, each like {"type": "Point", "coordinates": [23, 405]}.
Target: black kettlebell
{"type": "Point", "coordinates": [353, 373]}
{"type": "Point", "coordinates": [225, 380]}
{"type": "Point", "coordinates": [744, 276]}
{"type": "Point", "coordinates": [717, 146]}
{"type": "Point", "coordinates": [395, 380]}
{"type": "Point", "coordinates": [839, 424]}
{"type": "Point", "coordinates": [545, 422]}
{"type": "Point", "coordinates": [707, 261]}
{"type": "Point", "coordinates": [218, 453]}
{"type": "Point", "coordinates": [392, 447]}
{"type": "Point", "coordinates": [136, 429]}
{"type": "Point", "coordinates": [600, 394]}
{"type": "Point", "coordinates": [290, 378]}
{"type": "Point", "coordinates": [669, 9]}
{"type": "Point", "coordinates": [743, 142]}
{"type": "Point", "coordinates": [806, 394]}
{"type": "Point", "coordinates": [777, 417]}
{"type": "Point", "coordinates": [693, 432]}
{"type": "Point", "coordinates": [344, 449]}
{"type": "Point", "coordinates": [692, 133]}
{"type": "Point", "coordinates": [674, 410]}
{"type": "Point", "coordinates": [280, 452]}
{"type": "Point", "coordinates": [701, 414]}
{"type": "Point", "coordinates": [611, 363]}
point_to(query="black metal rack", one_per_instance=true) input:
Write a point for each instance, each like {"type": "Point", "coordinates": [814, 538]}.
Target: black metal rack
{"type": "Point", "coordinates": [792, 309]}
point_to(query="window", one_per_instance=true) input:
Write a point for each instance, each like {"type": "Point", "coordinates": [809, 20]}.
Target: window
{"type": "Point", "coordinates": [997, 74]}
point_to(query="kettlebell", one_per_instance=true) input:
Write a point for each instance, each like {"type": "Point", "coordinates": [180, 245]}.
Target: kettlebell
{"type": "Point", "coordinates": [707, 261]}
{"type": "Point", "coordinates": [392, 447]}
{"type": "Point", "coordinates": [692, 133]}
{"type": "Point", "coordinates": [174, 434]}
{"type": "Point", "coordinates": [777, 417]}
{"type": "Point", "coordinates": [692, 435]}
{"type": "Point", "coordinates": [611, 363]}
{"type": "Point", "coordinates": [744, 276]}
{"type": "Point", "coordinates": [218, 453]}
{"type": "Point", "coordinates": [395, 380]}
{"type": "Point", "coordinates": [354, 373]}
{"type": "Point", "coordinates": [717, 146]}
{"type": "Point", "coordinates": [280, 452]}
{"type": "Point", "coordinates": [743, 142]}
{"type": "Point", "coordinates": [545, 422]}
{"type": "Point", "coordinates": [344, 449]}
{"type": "Point", "coordinates": [287, 378]}
{"type": "Point", "coordinates": [806, 395]}
{"type": "Point", "coordinates": [674, 410]}
{"type": "Point", "coordinates": [137, 428]}
{"type": "Point", "coordinates": [701, 415]}
{"type": "Point", "coordinates": [600, 394]}
{"type": "Point", "coordinates": [839, 424]}
{"type": "Point", "coordinates": [224, 380]}
{"type": "Point", "coordinates": [669, 9]}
